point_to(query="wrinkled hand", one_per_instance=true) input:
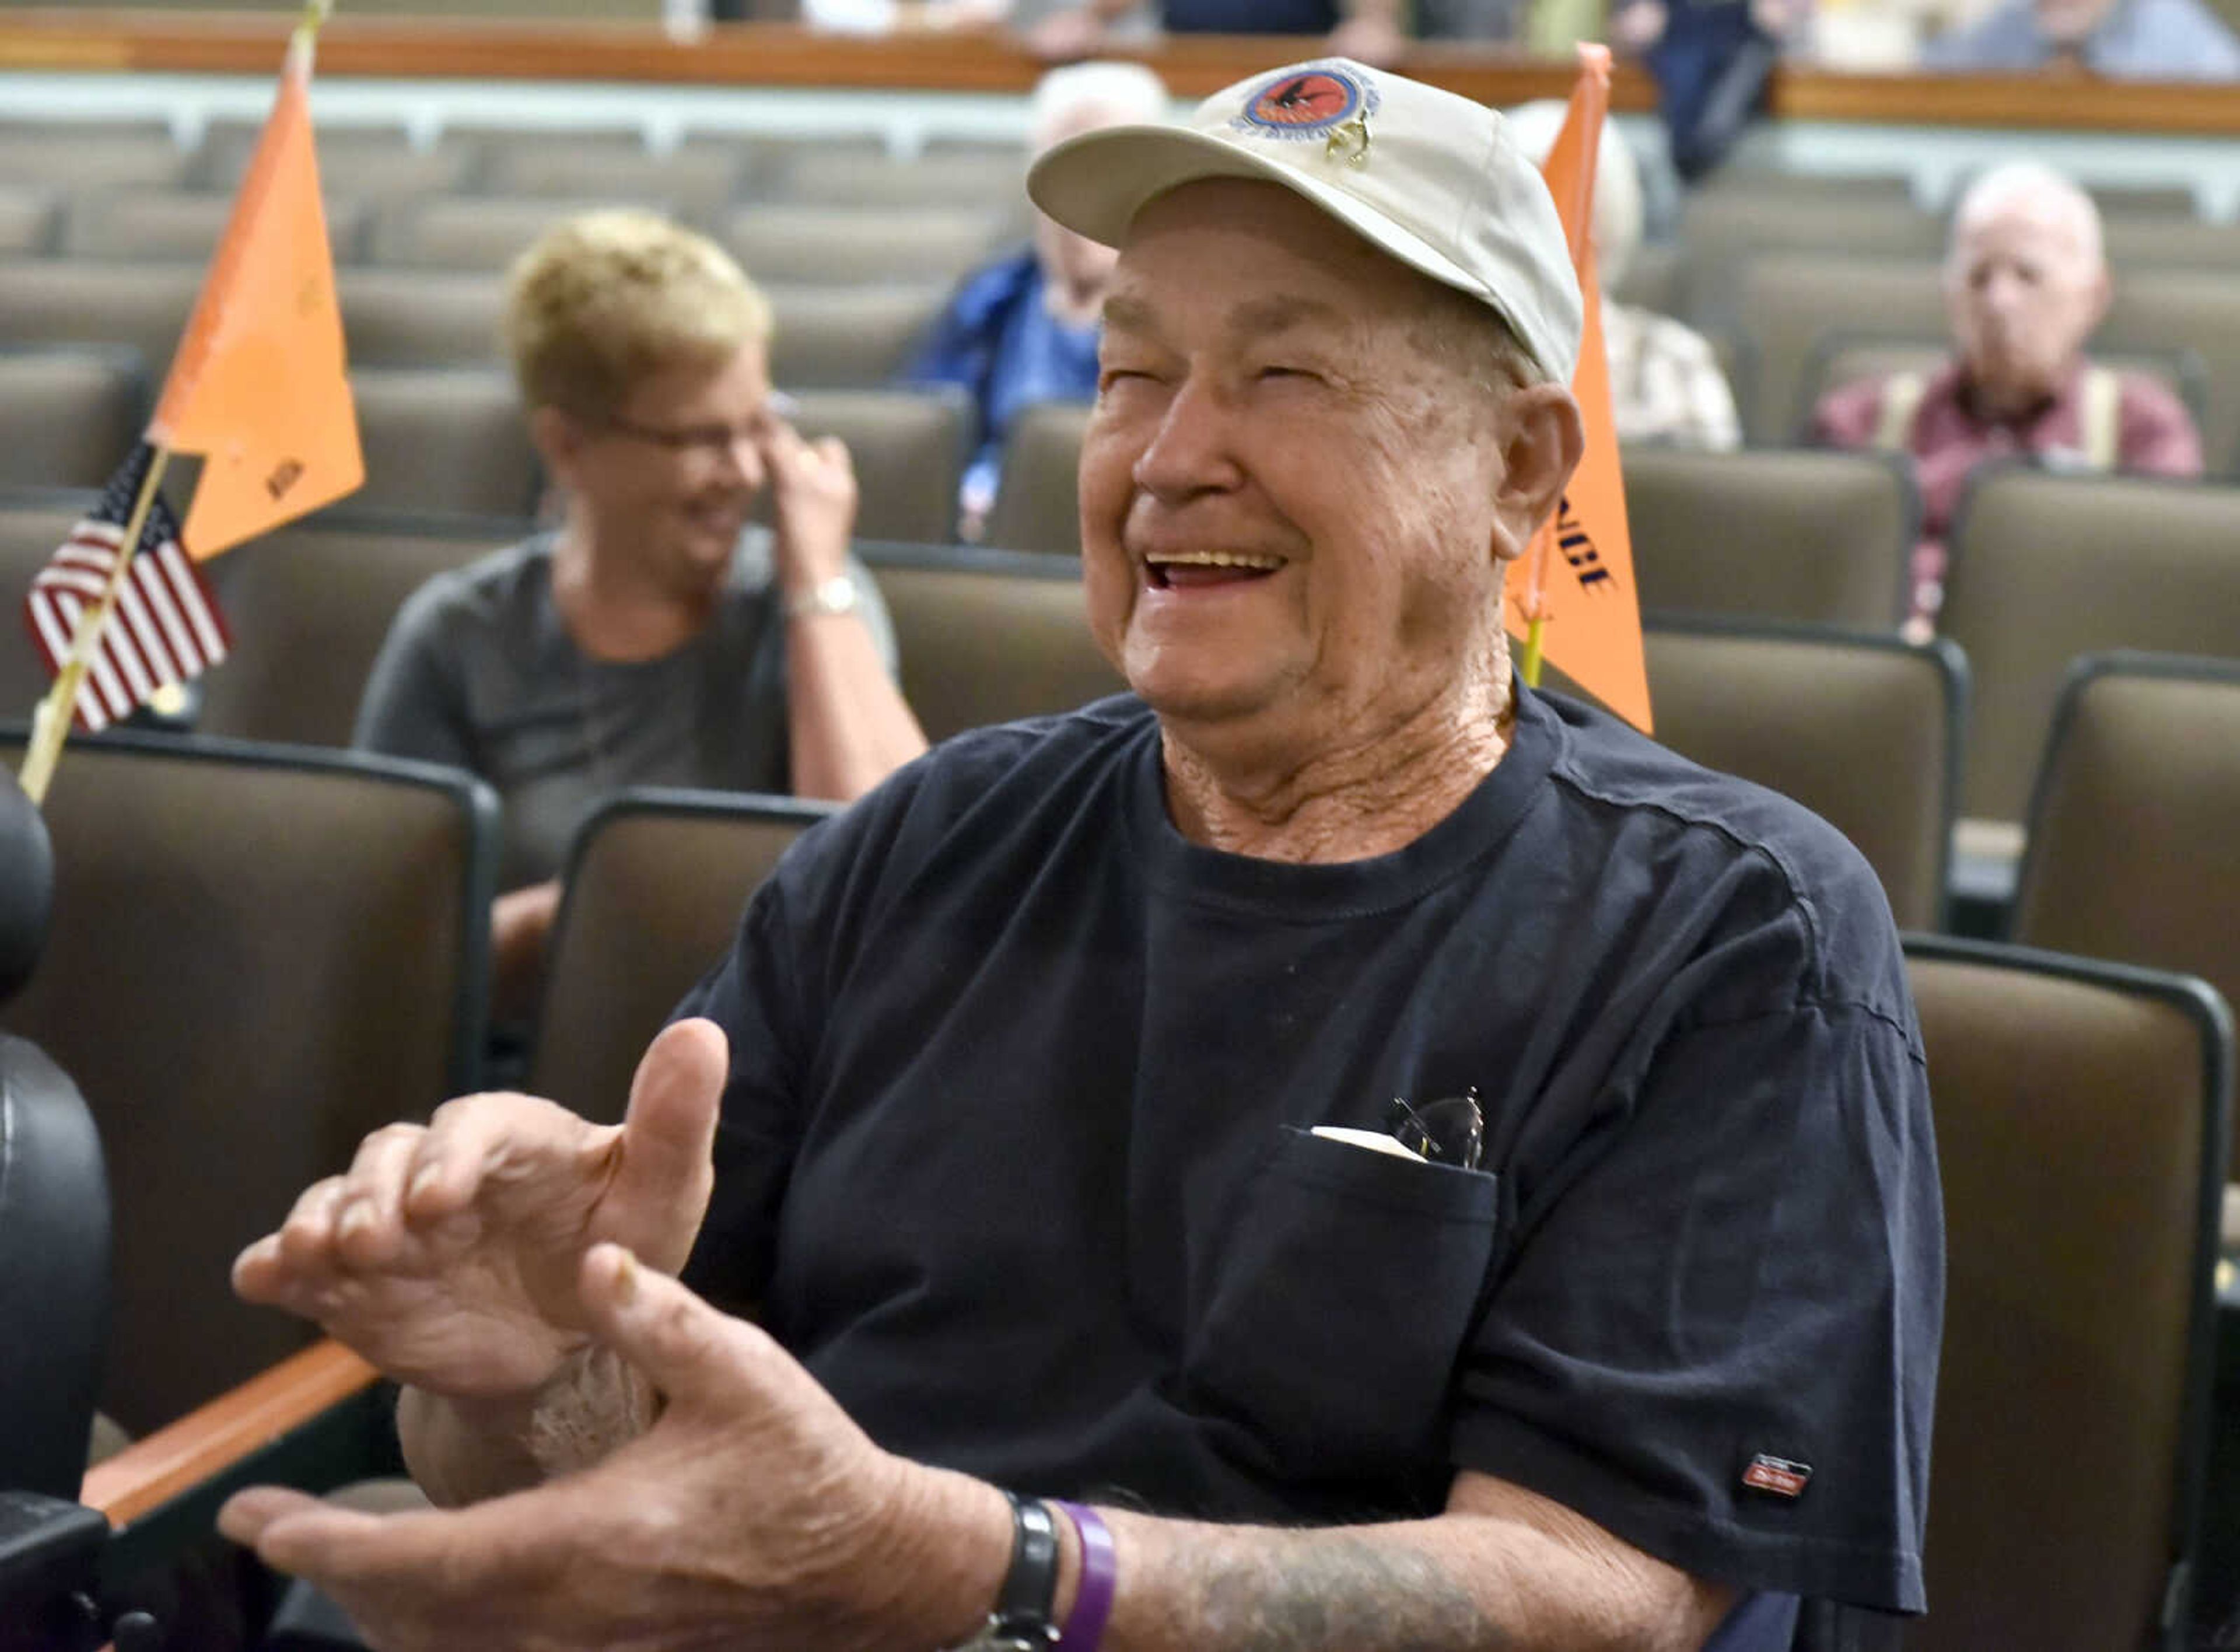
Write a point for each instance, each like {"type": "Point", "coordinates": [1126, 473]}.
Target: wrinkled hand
{"type": "Point", "coordinates": [753, 1514]}
{"type": "Point", "coordinates": [812, 506]}
{"type": "Point", "coordinates": [450, 1256]}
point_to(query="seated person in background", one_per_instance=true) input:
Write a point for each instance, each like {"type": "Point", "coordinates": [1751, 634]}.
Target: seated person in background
{"type": "Point", "coordinates": [2128, 39]}
{"type": "Point", "coordinates": [1369, 30]}
{"type": "Point", "coordinates": [1666, 383]}
{"type": "Point", "coordinates": [2025, 283]}
{"type": "Point", "coordinates": [1024, 330]}
{"type": "Point", "coordinates": [1043, 1112]}
{"type": "Point", "coordinates": [657, 638]}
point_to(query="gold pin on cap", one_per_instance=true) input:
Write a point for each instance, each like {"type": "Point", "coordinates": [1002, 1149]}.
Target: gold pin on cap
{"type": "Point", "coordinates": [1350, 140]}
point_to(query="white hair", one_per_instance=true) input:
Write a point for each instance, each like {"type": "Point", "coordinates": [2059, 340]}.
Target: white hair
{"type": "Point", "coordinates": [1118, 93]}
{"type": "Point", "coordinates": [2037, 187]}
{"type": "Point", "coordinates": [1532, 127]}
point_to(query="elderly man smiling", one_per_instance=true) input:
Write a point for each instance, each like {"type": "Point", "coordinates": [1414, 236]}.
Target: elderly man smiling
{"type": "Point", "coordinates": [2025, 283]}
{"type": "Point", "coordinates": [1047, 1097]}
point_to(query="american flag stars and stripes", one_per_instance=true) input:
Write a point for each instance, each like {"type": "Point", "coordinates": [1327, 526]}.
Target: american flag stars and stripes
{"type": "Point", "coordinates": [166, 628]}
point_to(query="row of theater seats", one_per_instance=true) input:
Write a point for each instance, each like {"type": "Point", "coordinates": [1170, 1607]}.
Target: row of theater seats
{"type": "Point", "coordinates": [233, 1056]}
{"type": "Point", "coordinates": [2045, 568]}
{"type": "Point", "coordinates": [699, 170]}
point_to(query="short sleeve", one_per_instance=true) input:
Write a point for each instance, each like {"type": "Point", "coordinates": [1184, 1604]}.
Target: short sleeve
{"type": "Point", "coordinates": [413, 704]}
{"type": "Point", "coordinates": [873, 606]}
{"type": "Point", "coordinates": [749, 995]}
{"type": "Point", "coordinates": [2157, 436]}
{"type": "Point", "coordinates": [1719, 1340]}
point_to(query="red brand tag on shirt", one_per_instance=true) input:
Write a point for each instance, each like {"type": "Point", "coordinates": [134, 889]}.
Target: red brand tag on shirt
{"type": "Point", "coordinates": [1776, 1475]}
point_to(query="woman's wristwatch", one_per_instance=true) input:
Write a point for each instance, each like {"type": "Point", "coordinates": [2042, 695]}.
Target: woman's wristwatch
{"type": "Point", "coordinates": [1021, 1619]}
{"type": "Point", "coordinates": [837, 595]}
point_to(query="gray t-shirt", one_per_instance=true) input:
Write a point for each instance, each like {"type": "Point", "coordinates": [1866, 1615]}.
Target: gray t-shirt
{"type": "Point", "coordinates": [479, 672]}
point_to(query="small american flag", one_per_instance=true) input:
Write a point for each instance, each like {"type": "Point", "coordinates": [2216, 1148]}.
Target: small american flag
{"type": "Point", "coordinates": [166, 628]}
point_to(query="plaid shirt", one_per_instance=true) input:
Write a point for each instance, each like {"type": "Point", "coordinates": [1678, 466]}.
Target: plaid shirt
{"type": "Point", "coordinates": [1666, 385]}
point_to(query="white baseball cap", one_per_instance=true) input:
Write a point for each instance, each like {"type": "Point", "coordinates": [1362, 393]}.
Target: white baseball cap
{"type": "Point", "coordinates": [1427, 176]}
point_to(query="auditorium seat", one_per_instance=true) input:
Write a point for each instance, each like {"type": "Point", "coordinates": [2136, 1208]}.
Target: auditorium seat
{"type": "Point", "coordinates": [987, 636]}
{"type": "Point", "coordinates": [974, 182]}
{"type": "Point", "coordinates": [175, 224]}
{"type": "Point", "coordinates": [2046, 568]}
{"type": "Point", "coordinates": [420, 317]}
{"type": "Point", "coordinates": [447, 441]}
{"type": "Point", "coordinates": [909, 449]}
{"type": "Point", "coordinates": [2126, 203]}
{"type": "Point", "coordinates": [1796, 709]}
{"type": "Point", "coordinates": [1816, 538]}
{"type": "Point", "coordinates": [90, 155]}
{"type": "Point", "coordinates": [1837, 361]}
{"type": "Point", "coordinates": [2176, 309]}
{"type": "Point", "coordinates": [232, 1060]}
{"type": "Point", "coordinates": [2157, 243]}
{"type": "Point", "coordinates": [471, 232]}
{"type": "Point", "coordinates": [144, 306]}
{"type": "Point", "coordinates": [1785, 303]}
{"type": "Point", "coordinates": [309, 605]}
{"type": "Point", "coordinates": [372, 161]}
{"type": "Point", "coordinates": [846, 337]}
{"type": "Point", "coordinates": [2133, 816]}
{"type": "Point", "coordinates": [830, 245]}
{"type": "Point", "coordinates": [697, 183]}
{"type": "Point", "coordinates": [1721, 230]}
{"type": "Point", "coordinates": [33, 524]}
{"type": "Point", "coordinates": [2082, 1130]}
{"type": "Point", "coordinates": [1655, 279]}
{"type": "Point", "coordinates": [656, 882]}
{"type": "Point", "coordinates": [69, 414]}
{"type": "Point", "coordinates": [1038, 501]}
{"type": "Point", "coordinates": [30, 218]}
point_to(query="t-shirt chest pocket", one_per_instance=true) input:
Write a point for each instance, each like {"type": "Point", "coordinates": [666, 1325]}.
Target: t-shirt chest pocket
{"type": "Point", "coordinates": [1335, 1311]}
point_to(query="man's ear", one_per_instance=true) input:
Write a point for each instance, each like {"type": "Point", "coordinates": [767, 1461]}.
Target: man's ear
{"type": "Point", "coordinates": [1543, 437]}
{"type": "Point", "coordinates": [559, 440]}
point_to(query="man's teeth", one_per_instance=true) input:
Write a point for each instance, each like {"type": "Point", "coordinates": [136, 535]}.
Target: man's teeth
{"type": "Point", "coordinates": [1218, 559]}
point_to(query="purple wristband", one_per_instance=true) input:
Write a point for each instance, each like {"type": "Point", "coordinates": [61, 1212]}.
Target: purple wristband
{"type": "Point", "coordinates": [1092, 1596]}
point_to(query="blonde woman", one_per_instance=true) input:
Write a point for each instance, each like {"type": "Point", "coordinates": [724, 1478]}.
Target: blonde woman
{"type": "Point", "coordinates": [656, 637]}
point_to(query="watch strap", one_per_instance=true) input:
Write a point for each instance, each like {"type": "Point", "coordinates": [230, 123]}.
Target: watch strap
{"type": "Point", "coordinates": [837, 595]}
{"type": "Point", "coordinates": [1024, 1605]}
{"type": "Point", "coordinates": [1092, 1596]}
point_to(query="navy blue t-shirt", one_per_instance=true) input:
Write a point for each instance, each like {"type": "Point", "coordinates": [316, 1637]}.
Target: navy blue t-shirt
{"type": "Point", "coordinates": [1015, 1153]}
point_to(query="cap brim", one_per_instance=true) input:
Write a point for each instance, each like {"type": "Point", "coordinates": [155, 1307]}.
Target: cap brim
{"type": "Point", "coordinates": [1094, 184]}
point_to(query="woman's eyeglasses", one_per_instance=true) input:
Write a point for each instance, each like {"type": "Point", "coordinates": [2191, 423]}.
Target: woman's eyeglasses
{"type": "Point", "coordinates": [1450, 1131]}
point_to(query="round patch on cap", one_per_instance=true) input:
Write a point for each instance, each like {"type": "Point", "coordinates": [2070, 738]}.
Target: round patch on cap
{"type": "Point", "coordinates": [1306, 102]}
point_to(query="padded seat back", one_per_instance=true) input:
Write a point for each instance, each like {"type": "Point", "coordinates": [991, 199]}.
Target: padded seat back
{"type": "Point", "coordinates": [258, 955]}
{"type": "Point", "coordinates": [656, 882]}
{"type": "Point", "coordinates": [2081, 1126]}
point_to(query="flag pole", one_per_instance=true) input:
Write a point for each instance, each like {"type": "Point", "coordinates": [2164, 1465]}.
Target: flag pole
{"type": "Point", "coordinates": [1594, 82]}
{"type": "Point", "coordinates": [50, 725]}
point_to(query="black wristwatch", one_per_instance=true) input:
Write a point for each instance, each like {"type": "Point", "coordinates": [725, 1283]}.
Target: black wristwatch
{"type": "Point", "coordinates": [1021, 1619]}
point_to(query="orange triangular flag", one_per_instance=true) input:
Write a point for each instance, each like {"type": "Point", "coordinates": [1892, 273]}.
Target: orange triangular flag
{"type": "Point", "coordinates": [259, 386]}
{"type": "Point", "coordinates": [1577, 576]}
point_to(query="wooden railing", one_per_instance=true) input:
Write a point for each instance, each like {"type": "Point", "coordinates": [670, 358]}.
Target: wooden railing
{"type": "Point", "coordinates": [122, 40]}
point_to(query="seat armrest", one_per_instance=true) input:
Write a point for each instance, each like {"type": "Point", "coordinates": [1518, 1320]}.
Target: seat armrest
{"type": "Point", "coordinates": [205, 1444]}
{"type": "Point", "coordinates": [47, 1552]}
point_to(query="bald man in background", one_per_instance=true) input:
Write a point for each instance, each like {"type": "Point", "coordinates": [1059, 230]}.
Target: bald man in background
{"type": "Point", "coordinates": [2025, 283]}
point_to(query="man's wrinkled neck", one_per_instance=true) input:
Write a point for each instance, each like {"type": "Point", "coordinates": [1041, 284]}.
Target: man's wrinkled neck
{"type": "Point", "coordinates": [1348, 796]}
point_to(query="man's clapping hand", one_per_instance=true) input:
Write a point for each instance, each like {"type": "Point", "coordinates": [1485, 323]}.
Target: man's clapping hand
{"type": "Point", "coordinates": [753, 1514]}
{"type": "Point", "coordinates": [448, 1255]}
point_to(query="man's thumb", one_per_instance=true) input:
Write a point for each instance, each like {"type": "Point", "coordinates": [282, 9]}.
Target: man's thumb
{"type": "Point", "coordinates": [693, 1354]}
{"type": "Point", "coordinates": [669, 1138]}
